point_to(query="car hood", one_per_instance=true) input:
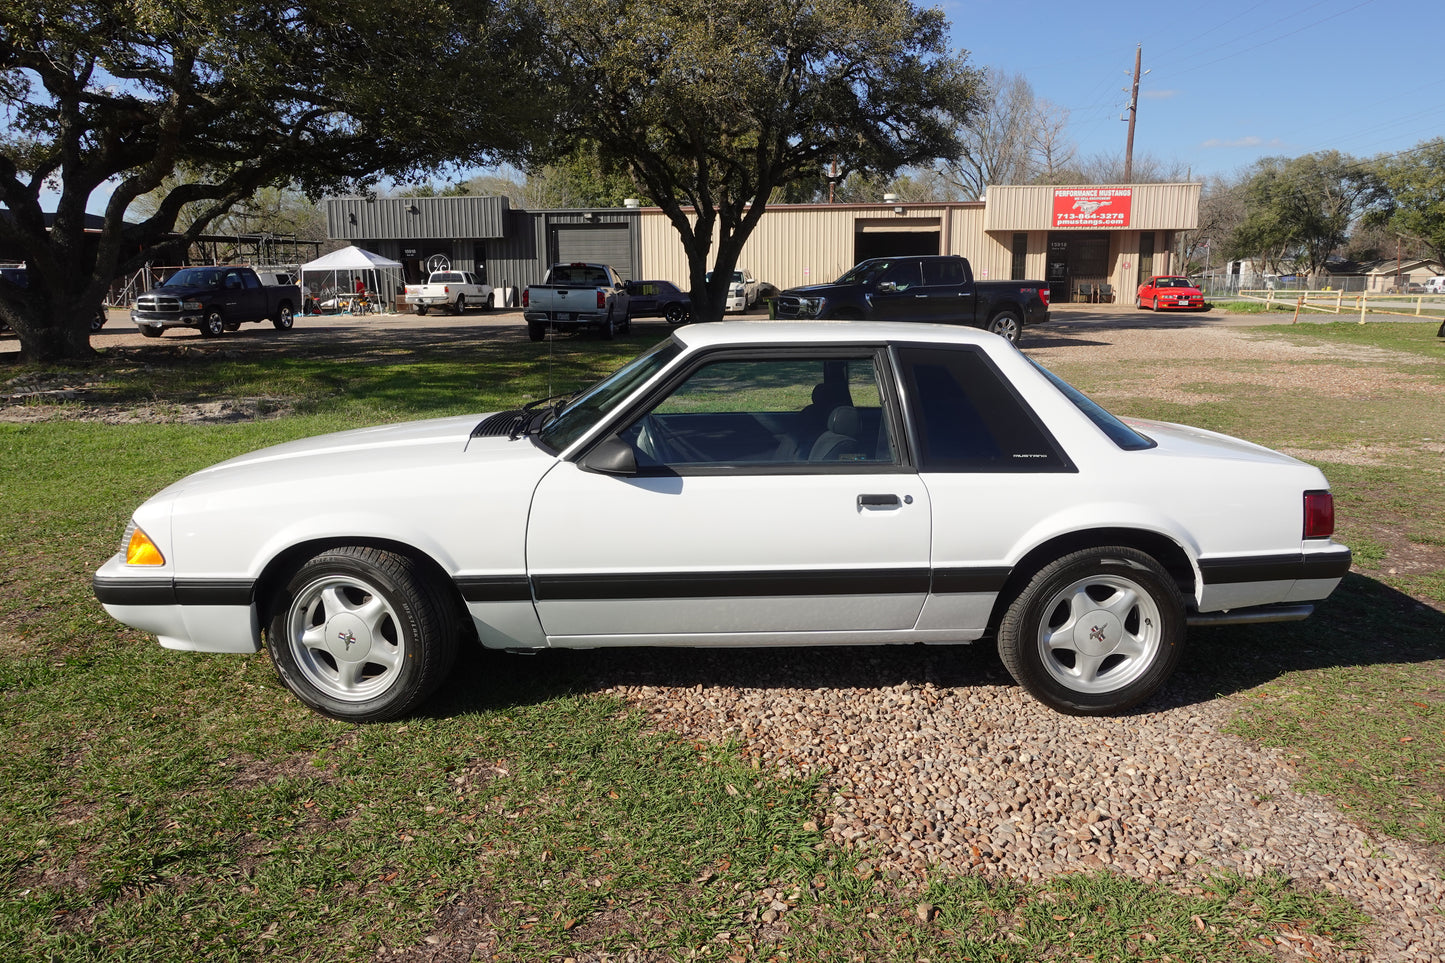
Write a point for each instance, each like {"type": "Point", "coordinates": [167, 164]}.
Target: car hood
{"type": "Point", "coordinates": [1185, 441]}
{"type": "Point", "coordinates": [813, 290]}
{"type": "Point", "coordinates": [348, 457]}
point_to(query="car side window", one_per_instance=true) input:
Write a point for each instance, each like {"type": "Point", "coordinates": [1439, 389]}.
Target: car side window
{"type": "Point", "coordinates": [251, 282]}
{"type": "Point", "coordinates": [902, 276]}
{"type": "Point", "coordinates": [941, 271]}
{"type": "Point", "coordinates": [769, 414]}
{"type": "Point", "coordinates": [968, 418]}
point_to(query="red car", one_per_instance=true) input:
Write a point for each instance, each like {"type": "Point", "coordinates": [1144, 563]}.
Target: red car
{"type": "Point", "coordinates": [1170, 291]}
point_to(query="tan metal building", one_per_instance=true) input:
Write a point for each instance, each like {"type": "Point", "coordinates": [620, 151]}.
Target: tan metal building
{"type": "Point", "coordinates": [1088, 241]}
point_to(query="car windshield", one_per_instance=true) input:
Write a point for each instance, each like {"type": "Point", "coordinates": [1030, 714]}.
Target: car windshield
{"type": "Point", "coordinates": [1173, 283]}
{"type": "Point", "coordinates": [1119, 433]}
{"type": "Point", "coordinates": [575, 420]}
{"type": "Point", "coordinates": [194, 278]}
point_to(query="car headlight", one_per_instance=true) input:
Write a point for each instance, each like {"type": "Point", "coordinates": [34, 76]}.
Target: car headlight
{"type": "Point", "coordinates": [138, 548]}
{"type": "Point", "coordinates": [192, 306]}
{"type": "Point", "coordinates": [812, 307]}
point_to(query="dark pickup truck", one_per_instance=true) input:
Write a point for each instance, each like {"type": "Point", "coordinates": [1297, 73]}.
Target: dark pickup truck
{"type": "Point", "coordinates": [215, 299]}
{"type": "Point", "coordinates": [938, 288]}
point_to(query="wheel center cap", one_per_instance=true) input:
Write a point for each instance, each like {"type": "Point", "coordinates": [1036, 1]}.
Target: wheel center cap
{"type": "Point", "coordinates": [1097, 633]}
{"type": "Point", "coordinates": [348, 638]}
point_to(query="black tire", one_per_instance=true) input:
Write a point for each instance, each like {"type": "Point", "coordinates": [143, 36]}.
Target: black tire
{"type": "Point", "coordinates": [461, 306]}
{"type": "Point", "coordinates": [675, 313]}
{"type": "Point", "coordinates": [1156, 303]}
{"type": "Point", "coordinates": [212, 324]}
{"type": "Point", "coordinates": [491, 301]}
{"type": "Point", "coordinates": [1006, 325]}
{"type": "Point", "coordinates": [101, 317]}
{"type": "Point", "coordinates": [361, 634]}
{"type": "Point", "coordinates": [151, 330]}
{"type": "Point", "coordinates": [1095, 632]}
{"type": "Point", "coordinates": [536, 331]}
{"type": "Point", "coordinates": [1138, 303]}
{"type": "Point", "coordinates": [608, 328]}
{"type": "Point", "coordinates": [284, 319]}
{"type": "Point", "coordinates": [421, 310]}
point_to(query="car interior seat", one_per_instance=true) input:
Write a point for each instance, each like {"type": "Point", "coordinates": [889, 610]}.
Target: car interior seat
{"type": "Point", "coordinates": [840, 440]}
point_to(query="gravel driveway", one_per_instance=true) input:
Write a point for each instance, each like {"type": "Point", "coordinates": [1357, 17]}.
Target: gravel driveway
{"type": "Point", "coordinates": [938, 760]}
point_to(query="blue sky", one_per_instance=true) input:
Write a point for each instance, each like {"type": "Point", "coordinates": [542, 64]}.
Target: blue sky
{"type": "Point", "coordinates": [1230, 81]}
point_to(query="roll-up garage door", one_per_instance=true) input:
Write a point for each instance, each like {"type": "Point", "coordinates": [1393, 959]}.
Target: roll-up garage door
{"type": "Point", "coordinates": [596, 244]}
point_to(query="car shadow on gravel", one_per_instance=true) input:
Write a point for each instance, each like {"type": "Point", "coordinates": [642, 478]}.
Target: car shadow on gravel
{"type": "Point", "coordinates": [1364, 623]}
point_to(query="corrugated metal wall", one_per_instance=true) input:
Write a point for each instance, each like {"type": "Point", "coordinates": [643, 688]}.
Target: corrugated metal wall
{"type": "Point", "coordinates": [356, 218]}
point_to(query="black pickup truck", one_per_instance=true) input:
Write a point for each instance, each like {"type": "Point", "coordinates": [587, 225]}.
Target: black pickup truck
{"type": "Point", "coordinates": [938, 288]}
{"type": "Point", "coordinates": [215, 299]}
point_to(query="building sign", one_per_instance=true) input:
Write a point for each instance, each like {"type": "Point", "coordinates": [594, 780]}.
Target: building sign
{"type": "Point", "coordinates": [1092, 206]}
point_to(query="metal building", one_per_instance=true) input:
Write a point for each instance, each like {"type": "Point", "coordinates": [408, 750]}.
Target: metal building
{"type": "Point", "coordinates": [1088, 241]}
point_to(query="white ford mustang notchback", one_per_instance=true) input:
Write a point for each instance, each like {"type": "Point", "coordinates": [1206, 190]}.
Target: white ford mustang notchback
{"type": "Point", "coordinates": [740, 484]}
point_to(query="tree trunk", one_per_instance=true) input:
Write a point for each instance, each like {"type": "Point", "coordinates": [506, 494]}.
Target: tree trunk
{"type": "Point", "coordinates": [57, 332]}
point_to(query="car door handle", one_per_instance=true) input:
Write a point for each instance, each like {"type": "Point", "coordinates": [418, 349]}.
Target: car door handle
{"type": "Point", "coordinates": [879, 501]}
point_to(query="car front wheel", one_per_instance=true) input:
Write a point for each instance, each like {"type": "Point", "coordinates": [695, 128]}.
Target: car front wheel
{"type": "Point", "coordinates": [1095, 632]}
{"type": "Point", "coordinates": [212, 324]}
{"type": "Point", "coordinates": [362, 634]}
{"type": "Point", "coordinates": [675, 314]}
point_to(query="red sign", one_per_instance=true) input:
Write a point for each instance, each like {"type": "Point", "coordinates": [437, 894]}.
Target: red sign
{"type": "Point", "coordinates": [1092, 206]}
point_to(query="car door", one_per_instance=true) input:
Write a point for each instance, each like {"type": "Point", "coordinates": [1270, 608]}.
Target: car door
{"type": "Point", "coordinates": [947, 294]}
{"type": "Point", "coordinates": [898, 294]}
{"type": "Point", "coordinates": [770, 504]}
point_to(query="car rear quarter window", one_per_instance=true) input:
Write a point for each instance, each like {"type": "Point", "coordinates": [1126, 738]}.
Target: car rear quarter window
{"type": "Point", "coordinates": [968, 418]}
{"type": "Point", "coordinates": [1119, 433]}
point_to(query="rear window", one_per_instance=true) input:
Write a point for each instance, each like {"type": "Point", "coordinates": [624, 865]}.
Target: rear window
{"type": "Point", "coordinates": [1119, 433]}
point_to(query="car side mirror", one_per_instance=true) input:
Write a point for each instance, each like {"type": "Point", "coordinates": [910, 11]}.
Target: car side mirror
{"type": "Point", "coordinates": [611, 456]}
{"type": "Point", "coordinates": [887, 287]}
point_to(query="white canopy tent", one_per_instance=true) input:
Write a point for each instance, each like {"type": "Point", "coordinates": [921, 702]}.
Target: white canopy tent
{"type": "Point", "coordinates": [323, 279]}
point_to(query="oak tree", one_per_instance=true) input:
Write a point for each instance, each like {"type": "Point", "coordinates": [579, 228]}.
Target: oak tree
{"type": "Point", "coordinates": [106, 99]}
{"type": "Point", "coordinates": [713, 105]}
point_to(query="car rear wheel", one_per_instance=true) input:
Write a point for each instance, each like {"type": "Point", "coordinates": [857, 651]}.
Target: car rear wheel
{"type": "Point", "coordinates": [1095, 632]}
{"type": "Point", "coordinates": [284, 318]}
{"type": "Point", "coordinates": [101, 316]}
{"type": "Point", "coordinates": [362, 634]}
{"type": "Point", "coordinates": [212, 324]}
{"type": "Point", "coordinates": [1006, 325]}
{"type": "Point", "coordinates": [608, 328]}
{"type": "Point", "coordinates": [535, 331]}
{"type": "Point", "coordinates": [675, 314]}
{"type": "Point", "coordinates": [421, 309]}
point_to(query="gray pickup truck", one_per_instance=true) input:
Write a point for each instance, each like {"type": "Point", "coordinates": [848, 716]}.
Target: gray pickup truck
{"type": "Point", "coordinates": [577, 296]}
{"type": "Point", "coordinates": [215, 299]}
{"type": "Point", "coordinates": [937, 288]}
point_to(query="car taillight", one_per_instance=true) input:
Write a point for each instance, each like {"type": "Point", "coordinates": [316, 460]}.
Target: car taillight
{"type": "Point", "coordinates": [526, 300]}
{"type": "Point", "coordinates": [1044, 296]}
{"type": "Point", "coordinates": [446, 289]}
{"type": "Point", "coordinates": [1319, 515]}
{"type": "Point", "coordinates": [601, 300]}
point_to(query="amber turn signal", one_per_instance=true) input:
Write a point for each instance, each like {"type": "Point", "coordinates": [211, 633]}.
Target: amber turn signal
{"type": "Point", "coordinates": [142, 551]}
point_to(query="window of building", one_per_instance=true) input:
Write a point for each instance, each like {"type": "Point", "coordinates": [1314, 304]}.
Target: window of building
{"type": "Point", "coordinates": [1019, 271]}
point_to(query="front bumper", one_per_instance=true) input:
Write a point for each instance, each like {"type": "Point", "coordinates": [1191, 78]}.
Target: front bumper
{"type": "Point", "coordinates": [187, 320]}
{"type": "Point", "coordinates": [193, 615]}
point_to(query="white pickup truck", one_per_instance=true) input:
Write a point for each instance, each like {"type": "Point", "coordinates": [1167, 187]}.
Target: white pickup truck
{"type": "Point", "coordinates": [453, 290]}
{"type": "Point", "coordinates": [577, 296]}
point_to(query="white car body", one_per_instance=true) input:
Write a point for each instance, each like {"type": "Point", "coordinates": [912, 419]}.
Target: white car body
{"type": "Point", "coordinates": [742, 292]}
{"type": "Point", "coordinates": [451, 290]}
{"type": "Point", "coordinates": [604, 541]}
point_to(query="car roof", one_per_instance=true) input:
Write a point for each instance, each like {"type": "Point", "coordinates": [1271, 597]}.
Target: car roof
{"type": "Point", "coordinates": [726, 333]}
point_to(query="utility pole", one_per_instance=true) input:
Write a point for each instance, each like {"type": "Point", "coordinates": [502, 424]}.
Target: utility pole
{"type": "Point", "coordinates": [1133, 113]}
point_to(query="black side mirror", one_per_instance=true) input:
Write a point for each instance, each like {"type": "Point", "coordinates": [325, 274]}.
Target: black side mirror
{"type": "Point", "coordinates": [611, 456]}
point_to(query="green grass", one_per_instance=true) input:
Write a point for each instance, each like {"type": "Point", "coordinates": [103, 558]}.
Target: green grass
{"type": "Point", "coordinates": [170, 806]}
